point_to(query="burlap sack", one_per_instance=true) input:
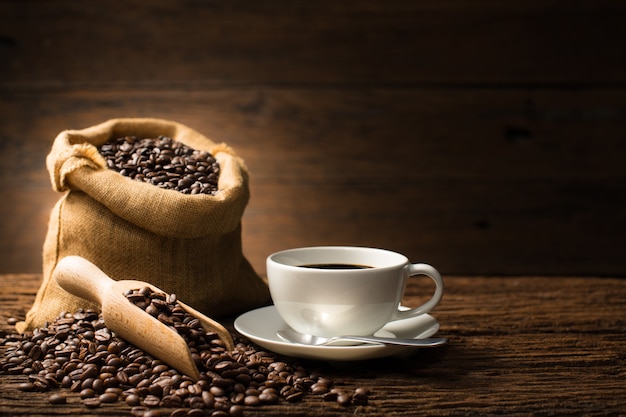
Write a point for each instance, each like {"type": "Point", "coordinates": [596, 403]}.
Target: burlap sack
{"type": "Point", "coordinates": [189, 245]}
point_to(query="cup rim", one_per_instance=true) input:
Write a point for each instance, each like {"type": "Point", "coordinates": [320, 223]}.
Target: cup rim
{"type": "Point", "coordinates": [400, 259]}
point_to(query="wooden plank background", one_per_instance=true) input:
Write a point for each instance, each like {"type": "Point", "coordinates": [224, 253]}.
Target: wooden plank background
{"type": "Point", "coordinates": [482, 137]}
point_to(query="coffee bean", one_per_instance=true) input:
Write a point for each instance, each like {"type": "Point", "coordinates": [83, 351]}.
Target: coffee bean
{"type": "Point", "coordinates": [236, 411]}
{"type": "Point", "coordinates": [151, 401]}
{"type": "Point", "coordinates": [152, 310]}
{"type": "Point", "coordinates": [93, 402]}
{"type": "Point", "coordinates": [208, 399]}
{"type": "Point", "coordinates": [93, 362]}
{"type": "Point", "coordinates": [295, 396]}
{"type": "Point", "coordinates": [319, 388]}
{"type": "Point", "coordinates": [26, 386]}
{"type": "Point", "coordinates": [115, 390]}
{"type": "Point", "coordinates": [252, 400]}
{"type": "Point", "coordinates": [330, 396]}
{"type": "Point", "coordinates": [133, 400]}
{"type": "Point", "coordinates": [360, 396]}
{"type": "Point", "coordinates": [89, 372]}
{"type": "Point", "coordinates": [66, 382]}
{"type": "Point", "coordinates": [108, 397]}
{"type": "Point", "coordinates": [171, 401]}
{"type": "Point", "coordinates": [98, 385]}
{"type": "Point", "coordinates": [344, 398]}
{"type": "Point", "coordinates": [196, 402]}
{"type": "Point", "coordinates": [163, 162]}
{"type": "Point", "coordinates": [57, 399]}
{"type": "Point", "coordinates": [139, 411]}
{"type": "Point", "coordinates": [179, 412]}
{"type": "Point", "coordinates": [268, 397]}
{"type": "Point", "coordinates": [87, 383]}
{"type": "Point", "coordinates": [87, 393]}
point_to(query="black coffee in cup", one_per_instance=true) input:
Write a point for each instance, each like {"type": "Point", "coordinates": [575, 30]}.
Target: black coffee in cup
{"type": "Point", "coordinates": [336, 266]}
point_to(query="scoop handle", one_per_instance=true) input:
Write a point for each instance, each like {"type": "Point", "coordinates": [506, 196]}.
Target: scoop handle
{"type": "Point", "coordinates": [80, 277]}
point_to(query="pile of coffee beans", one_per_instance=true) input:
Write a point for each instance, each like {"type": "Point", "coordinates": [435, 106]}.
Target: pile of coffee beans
{"type": "Point", "coordinates": [78, 353]}
{"type": "Point", "coordinates": [163, 162]}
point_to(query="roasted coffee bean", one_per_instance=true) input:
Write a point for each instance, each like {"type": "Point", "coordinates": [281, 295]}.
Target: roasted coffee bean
{"type": "Point", "coordinates": [87, 383]}
{"type": "Point", "coordinates": [252, 400]}
{"type": "Point", "coordinates": [208, 399]}
{"type": "Point", "coordinates": [139, 410]}
{"type": "Point", "coordinates": [158, 369]}
{"type": "Point", "coordinates": [151, 401]}
{"type": "Point", "coordinates": [163, 162]}
{"type": "Point", "coordinates": [108, 397]}
{"type": "Point", "coordinates": [99, 367]}
{"type": "Point", "coordinates": [179, 412]}
{"type": "Point", "coordinates": [319, 388]}
{"type": "Point", "coordinates": [87, 393]}
{"type": "Point", "coordinates": [133, 400]}
{"type": "Point", "coordinates": [196, 402]}
{"type": "Point", "coordinates": [26, 386]}
{"type": "Point", "coordinates": [294, 396]}
{"type": "Point", "coordinates": [171, 401]}
{"type": "Point", "coordinates": [344, 398]}
{"type": "Point", "coordinates": [236, 411]}
{"type": "Point", "coordinates": [360, 396]}
{"type": "Point", "coordinates": [88, 372]}
{"type": "Point", "coordinates": [330, 396]}
{"type": "Point", "coordinates": [116, 391]}
{"type": "Point", "coordinates": [217, 391]}
{"type": "Point", "coordinates": [66, 382]}
{"type": "Point", "coordinates": [57, 399]}
{"type": "Point", "coordinates": [98, 385]}
{"type": "Point", "coordinates": [269, 396]}
{"type": "Point", "coordinates": [92, 402]}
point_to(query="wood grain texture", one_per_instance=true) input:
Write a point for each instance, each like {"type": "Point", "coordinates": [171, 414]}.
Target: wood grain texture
{"type": "Point", "coordinates": [518, 346]}
{"type": "Point", "coordinates": [193, 42]}
{"type": "Point", "coordinates": [445, 185]}
{"type": "Point", "coordinates": [482, 137]}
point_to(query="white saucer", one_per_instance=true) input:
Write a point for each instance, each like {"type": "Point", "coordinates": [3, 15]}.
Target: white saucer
{"type": "Point", "coordinates": [261, 325]}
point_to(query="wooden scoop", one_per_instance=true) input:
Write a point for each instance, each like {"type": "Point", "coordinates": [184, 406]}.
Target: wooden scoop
{"type": "Point", "coordinates": [82, 278]}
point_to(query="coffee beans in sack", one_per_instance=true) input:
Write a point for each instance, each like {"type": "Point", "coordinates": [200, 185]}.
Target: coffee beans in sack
{"type": "Point", "coordinates": [151, 200]}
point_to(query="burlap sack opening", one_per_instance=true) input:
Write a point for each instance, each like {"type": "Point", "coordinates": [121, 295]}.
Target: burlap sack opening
{"type": "Point", "coordinates": [189, 245]}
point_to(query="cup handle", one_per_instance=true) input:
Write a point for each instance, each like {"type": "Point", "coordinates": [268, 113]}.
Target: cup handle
{"type": "Point", "coordinates": [429, 271]}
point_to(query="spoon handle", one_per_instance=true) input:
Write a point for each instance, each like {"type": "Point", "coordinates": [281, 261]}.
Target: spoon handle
{"type": "Point", "coordinates": [428, 342]}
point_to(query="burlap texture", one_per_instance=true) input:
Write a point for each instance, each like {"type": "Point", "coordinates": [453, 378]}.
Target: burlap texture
{"type": "Point", "coordinates": [189, 245]}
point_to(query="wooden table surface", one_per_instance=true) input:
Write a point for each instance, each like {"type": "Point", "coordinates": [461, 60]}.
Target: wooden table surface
{"type": "Point", "coordinates": [517, 346]}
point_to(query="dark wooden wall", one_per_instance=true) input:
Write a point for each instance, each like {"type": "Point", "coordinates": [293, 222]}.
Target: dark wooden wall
{"type": "Point", "coordinates": [484, 137]}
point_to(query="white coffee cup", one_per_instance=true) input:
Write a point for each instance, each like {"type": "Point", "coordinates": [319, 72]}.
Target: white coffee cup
{"type": "Point", "coordinates": [313, 298]}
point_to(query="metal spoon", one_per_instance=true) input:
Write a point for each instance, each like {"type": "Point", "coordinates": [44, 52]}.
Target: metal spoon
{"type": "Point", "coordinates": [292, 336]}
